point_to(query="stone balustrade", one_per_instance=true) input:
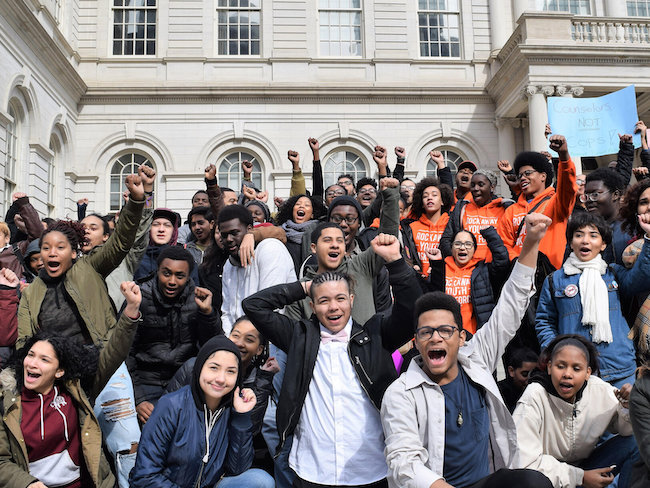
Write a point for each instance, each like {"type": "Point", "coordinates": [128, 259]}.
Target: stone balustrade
{"type": "Point", "coordinates": [607, 30]}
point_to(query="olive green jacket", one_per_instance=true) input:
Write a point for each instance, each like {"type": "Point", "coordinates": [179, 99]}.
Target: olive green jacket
{"type": "Point", "coordinates": [84, 282]}
{"type": "Point", "coordinates": [14, 462]}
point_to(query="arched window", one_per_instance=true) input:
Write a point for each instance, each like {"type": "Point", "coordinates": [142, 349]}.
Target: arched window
{"type": "Point", "coordinates": [230, 173]}
{"type": "Point", "coordinates": [340, 163]}
{"type": "Point", "coordinates": [452, 158]}
{"type": "Point", "coordinates": [123, 166]}
{"type": "Point", "coordinates": [55, 147]}
{"type": "Point", "coordinates": [12, 149]}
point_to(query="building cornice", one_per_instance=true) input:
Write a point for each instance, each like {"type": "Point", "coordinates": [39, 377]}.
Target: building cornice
{"type": "Point", "coordinates": [53, 50]}
{"type": "Point", "coordinates": [285, 95]}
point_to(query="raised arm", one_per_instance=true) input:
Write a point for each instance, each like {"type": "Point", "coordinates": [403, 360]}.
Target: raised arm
{"type": "Point", "coordinates": [117, 347]}
{"type": "Point", "coordinates": [317, 169]}
{"type": "Point", "coordinates": [110, 255]}
{"type": "Point", "coordinates": [444, 173]}
{"type": "Point", "coordinates": [298, 186]}
{"type": "Point", "coordinates": [215, 197]}
{"type": "Point", "coordinates": [398, 172]}
{"type": "Point", "coordinates": [490, 341]}
{"type": "Point", "coordinates": [398, 327]}
{"type": "Point", "coordinates": [260, 308]}
{"type": "Point", "coordinates": [567, 189]}
{"type": "Point", "coordinates": [33, 225]}
{"type": "Point", "coordinates": [625, 158]}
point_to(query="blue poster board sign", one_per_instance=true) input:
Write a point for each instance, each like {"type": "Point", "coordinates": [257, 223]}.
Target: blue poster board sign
{"type": "Point", "coordinates": [592, 125]}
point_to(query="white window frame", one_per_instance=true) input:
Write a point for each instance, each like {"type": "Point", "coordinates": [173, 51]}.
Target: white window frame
{"type": "Point", "coordinates": [351, 163]}
{"type": "Point", "coordinates": [335, 12]}
{"type": "Point", "coordinates": [428, 9]}
{"type": "Point", "coordinates": [130, 161]}
{"type": "Point", "coordinates": [632, 8]}
{"type": "Point", "coordinates": [453, 157]}
{"type": "Point", "coordinates": [133, 7]}
{"type": "Point", "coordinates": [12, 153]}
{"type": "Point", "coordinates": [226, 8]}
{"type": "Point", "coordinates": [573, 6]}
{"type": "Point", "coordinates": [230, 175]}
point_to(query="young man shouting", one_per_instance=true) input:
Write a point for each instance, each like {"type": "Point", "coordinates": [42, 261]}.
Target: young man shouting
{"type": "Point", "coordinates": [445, 422]}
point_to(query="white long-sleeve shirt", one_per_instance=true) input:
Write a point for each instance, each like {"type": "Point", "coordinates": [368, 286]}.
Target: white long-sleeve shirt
{"type": "Point", "coordinates": [272, 265]}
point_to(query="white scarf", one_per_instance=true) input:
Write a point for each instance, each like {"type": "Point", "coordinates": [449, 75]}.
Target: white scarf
{"type": "Point", "coordinates": [593, 295]}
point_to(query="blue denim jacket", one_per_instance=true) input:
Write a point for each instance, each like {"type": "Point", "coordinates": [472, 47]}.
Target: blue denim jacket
{"type": "Point", "coordinates": [558, 313]}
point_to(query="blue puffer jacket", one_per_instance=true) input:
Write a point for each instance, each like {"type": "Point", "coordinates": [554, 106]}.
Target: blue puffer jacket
{"type": "Point", "coordinates": [559, 314]}
{"type": "Point", "coordinates": [173, 445]}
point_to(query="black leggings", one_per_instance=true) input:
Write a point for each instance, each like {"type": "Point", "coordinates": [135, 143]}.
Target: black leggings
{"type": "Point", "coordinates": [514, 477]}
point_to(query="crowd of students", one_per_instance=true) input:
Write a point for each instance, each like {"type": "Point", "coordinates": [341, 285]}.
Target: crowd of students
{"type": "Point", "coordinates": [346, 336]}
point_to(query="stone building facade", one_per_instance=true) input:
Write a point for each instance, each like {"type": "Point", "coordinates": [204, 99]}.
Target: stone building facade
{"type": "Point", "coordinates": [89, 89]}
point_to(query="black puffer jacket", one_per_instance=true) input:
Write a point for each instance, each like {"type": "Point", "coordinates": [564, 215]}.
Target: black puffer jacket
{"type": "Point", "coordinates": [369, 348]}
{"type": "Point", "coordinates": [487, 278]}
{"type": "Point", "coordinates": [169, 334]}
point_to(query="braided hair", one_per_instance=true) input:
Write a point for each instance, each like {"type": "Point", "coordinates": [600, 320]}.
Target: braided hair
{"type": "Point", "coordinates": [331, 276]}
{"type": "Point", "coordinates": [72, 230]}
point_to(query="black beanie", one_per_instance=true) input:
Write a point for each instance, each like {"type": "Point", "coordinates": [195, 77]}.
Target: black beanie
{"type": "Point", "coordinates": [345, 200]}
{"type": "Point", "coordinates": [263, 206]}
{"type": "Point", "coordinates": [538, 161]}
{"type": "Point", "coordinates": [217, 343]}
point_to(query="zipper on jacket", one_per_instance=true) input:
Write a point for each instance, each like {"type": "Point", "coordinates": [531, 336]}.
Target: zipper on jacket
{"type": "Point", "coordinates": [358, 361]}
{"type": "Point", "coordinates": [198, 481]}
{"type": "Point", "coordinates": [283, 437]}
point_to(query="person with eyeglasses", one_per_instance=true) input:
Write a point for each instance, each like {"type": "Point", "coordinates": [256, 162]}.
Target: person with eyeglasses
{"type": "Point", "coordinates": [332, 192]}
{"type": "Point", "coordinates": [604, 189]}
{"type": "Point", "coordinates": [468, 277]}
{"type": "Point", "coordinates": [366, 192]}
{"type": "Point", "coordinates": [444, 420]}
{"type": "Point", "coordinates": [535, 175]}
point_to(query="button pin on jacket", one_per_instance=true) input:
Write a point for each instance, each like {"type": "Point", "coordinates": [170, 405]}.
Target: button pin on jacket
{"type": "Point", "coordinates": [571, 291]}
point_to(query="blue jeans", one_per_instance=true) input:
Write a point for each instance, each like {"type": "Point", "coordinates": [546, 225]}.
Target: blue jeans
{"type": "Point", "coordinates": [619, 450]}
{"type": "Point", "coordinates": [115, 411]}
{"type": "Point", "coordinates": [284, 475]}
{"type": "Point", "coordinates": [253, 478]}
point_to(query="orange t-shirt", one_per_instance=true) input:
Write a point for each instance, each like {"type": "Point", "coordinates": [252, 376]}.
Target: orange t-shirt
{"type": "Point", "coordinates": [474, 218]}
{"type": "Point", "coordinates": [427, 237]}
{"type": "Point", "coordinates": [458, 284]}
{"type": "Point", "coordinates": [558, 207]}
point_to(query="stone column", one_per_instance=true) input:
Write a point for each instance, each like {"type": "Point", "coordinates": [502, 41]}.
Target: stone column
{"type": "Point", "coordinates": [499, 32]}
{"type": "Point", "coordinates": [507, 149]}
{"type": "Point", "coordinates": [538, 115]}
{"type": "Point", "coordinates": [571, 91]}
{"type": "Point", "coordinates": [518, 8]}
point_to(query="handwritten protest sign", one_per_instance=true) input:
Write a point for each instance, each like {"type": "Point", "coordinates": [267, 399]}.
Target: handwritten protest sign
{"type": "Point", "coordinates": [592, 125]}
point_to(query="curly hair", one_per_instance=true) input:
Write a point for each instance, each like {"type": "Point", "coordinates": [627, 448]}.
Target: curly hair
{"type": "Point", "coordinates": [78, 361]}
{"type": "Point", "coordinates": [286, 211]}
{"type": "Point", "coordinates": [446, 193]}
{"type": "Point", "coordinates": [71, 229]}
{"type": "Point", "coordinates": [627, 212]}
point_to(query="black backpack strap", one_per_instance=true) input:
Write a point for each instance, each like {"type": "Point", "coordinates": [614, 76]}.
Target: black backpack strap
{"type": "Point", "coordinates": [521, 224]}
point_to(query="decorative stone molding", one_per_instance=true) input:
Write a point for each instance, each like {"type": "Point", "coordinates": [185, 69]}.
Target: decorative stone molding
{"type": "Point", "coordinates": [548, 90]}
{"type": "Point", "coordinates": [514, 122]}
{"type": "Point", "coordinates": [563, 90]}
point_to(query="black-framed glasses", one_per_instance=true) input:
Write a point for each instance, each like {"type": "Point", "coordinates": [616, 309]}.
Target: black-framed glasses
{"type": "Point", "coordinates": [593, 196]}
{"type": "Point", "coordinates": [337, 219]}
{"type": "Point", "coordinates": [367, 191]}
{"type": "Point", "coordinates": [335, 193]}
{"type": "Point", "coordinates": [444, 331]}
{"type": "Point", "coordinates": [461, 245]}
{"type": "Point", "coordinates": [407, 187]}
{"type": "Point", "coordinates": [526, 173]}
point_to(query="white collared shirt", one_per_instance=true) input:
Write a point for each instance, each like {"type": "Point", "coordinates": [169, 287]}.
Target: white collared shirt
{"type": "Point", "coordinates": [339, 439]}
